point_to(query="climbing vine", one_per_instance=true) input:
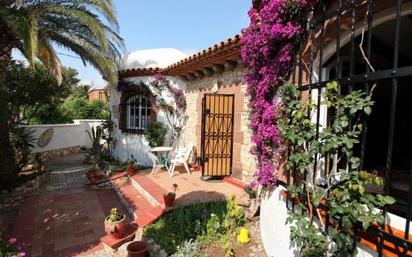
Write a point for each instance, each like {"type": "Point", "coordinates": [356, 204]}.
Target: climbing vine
{"type": "Point", "coordinates": [268, 47]}
{"type": "Point", "coordinates": [173, 102]}
{"type": "Point", "coordinates": [328, 171]}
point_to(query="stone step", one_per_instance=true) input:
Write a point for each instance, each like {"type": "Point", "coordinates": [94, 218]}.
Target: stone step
{"type": "Point", "coordinates": [143, 211]}
{"type": "Point", "coordinates": [148, 188]}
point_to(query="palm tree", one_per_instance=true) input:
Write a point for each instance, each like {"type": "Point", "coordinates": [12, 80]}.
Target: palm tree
{"type": "Point", "coordinates": [88, 28]}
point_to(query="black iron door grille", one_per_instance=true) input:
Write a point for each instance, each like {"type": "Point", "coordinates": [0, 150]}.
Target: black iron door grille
{"type": "Point", "coordinates": [217, 134]}
{"type": "Point", "coordinates": [309, 76]}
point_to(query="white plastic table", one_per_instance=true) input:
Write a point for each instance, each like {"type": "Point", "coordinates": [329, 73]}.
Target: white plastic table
{"type": "Point", "coordinates": [155, 156]}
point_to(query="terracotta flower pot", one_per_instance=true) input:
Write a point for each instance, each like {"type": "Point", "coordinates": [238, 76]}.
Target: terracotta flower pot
{"type": "Point", "coordinates": [117, 228]}
{"type": "Point", "coordinates": [169, 199]}
{"type": "Point", "coordinates": [94, 175]}
{"type": "Point", "coordinates": [137, 249]}
{"type": "Point", "coordinates": [131, 170]}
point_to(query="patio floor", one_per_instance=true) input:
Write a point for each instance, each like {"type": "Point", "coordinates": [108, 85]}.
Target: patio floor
{"type": "Point", "coordinates": [65, 218]}
{"type": "Point", "coordinates": [191, 188]}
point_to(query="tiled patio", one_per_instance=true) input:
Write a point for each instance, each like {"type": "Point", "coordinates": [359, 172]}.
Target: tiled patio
{"type": "Point", "coordinates": [191, 188]}
{"type": "Point", "coordinates": [66, 218]}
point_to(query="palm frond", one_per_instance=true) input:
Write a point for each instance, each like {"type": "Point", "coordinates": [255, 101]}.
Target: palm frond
{"type": "Point", "coordinates": [50, 59]}
{"type": "Point", "coordinates": [86, 27]}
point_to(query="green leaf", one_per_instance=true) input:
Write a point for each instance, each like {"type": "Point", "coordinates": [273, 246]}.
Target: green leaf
{"type": "Point", "coordinates": [368, 110]}
{"type": "Point", "coordinates": [389, 199]}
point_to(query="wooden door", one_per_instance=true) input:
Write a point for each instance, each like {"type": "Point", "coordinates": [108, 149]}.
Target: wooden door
{"type": "Point", "coordinates": [217, 134]}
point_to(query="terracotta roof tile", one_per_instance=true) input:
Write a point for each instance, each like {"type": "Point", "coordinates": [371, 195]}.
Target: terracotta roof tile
{"type": "Point", "coordinates": [225, 50]}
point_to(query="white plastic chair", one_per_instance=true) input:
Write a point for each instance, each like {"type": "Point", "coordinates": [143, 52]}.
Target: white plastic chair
{"type": "Point", "coordinates": [181, 157]}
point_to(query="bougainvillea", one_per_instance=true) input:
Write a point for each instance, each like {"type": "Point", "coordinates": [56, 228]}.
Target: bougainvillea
{"type": "Point", "coordinates": [268, 48]}
{"type": "Point", "coordinates": [175, 110]}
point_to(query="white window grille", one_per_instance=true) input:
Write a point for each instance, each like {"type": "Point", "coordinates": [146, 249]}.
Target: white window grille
{"type": "Point", "coordinates": [138, 112]}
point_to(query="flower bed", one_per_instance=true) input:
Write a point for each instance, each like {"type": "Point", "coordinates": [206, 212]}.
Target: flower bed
{"type": "Point", "coordinates": [200, 229]}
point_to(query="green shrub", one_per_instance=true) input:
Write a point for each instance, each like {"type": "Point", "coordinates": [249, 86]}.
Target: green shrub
{"type": "Point", "coordinates": [189, 248]}
{"type": "Point", "coordinates": [22, 139]}
{"type": "Point", "coordinates": [155, 133]}
{"type": "Point", "coordinates": [185, 223]}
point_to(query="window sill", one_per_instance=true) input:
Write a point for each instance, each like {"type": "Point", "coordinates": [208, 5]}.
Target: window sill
{"type": "Point", "coordinates": [133, 131]}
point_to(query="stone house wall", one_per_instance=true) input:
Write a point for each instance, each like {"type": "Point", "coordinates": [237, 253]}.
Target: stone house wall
{"type": "Point", "coordinates": [228, 82]}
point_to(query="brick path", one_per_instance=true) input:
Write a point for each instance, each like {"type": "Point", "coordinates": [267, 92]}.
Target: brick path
{"type": "Point", "coordinates": [66, 218]}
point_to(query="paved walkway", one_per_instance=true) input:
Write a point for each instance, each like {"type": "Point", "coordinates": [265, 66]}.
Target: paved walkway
{"type": "Point", "coordinates": [65, 218]}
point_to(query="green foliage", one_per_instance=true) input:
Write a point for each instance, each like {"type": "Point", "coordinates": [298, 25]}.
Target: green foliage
{"type": "Point", "coordinates": [344, 187]}
{"type": "Point", "coordinates": [235, 216]}
{"type": "Point", "coordinates": [186, 223]}
{"type": "Point", "coordinates": [22, 140]}
{"type": "Point", "coordinates": [37, 161]}
{"type": "Point", "coordinates": [96, 153]}
{"type": "Point", "coordinates": [35, 96]}
{"type": "Point", "coordinates": [114, 216]}
{"type": "Point", "coordinates": [80, 108]}
{"type": "Point", "coordinates": [87, 28]}
{"type": "Point", "coordinates": [214, 226]}
{"type": "Point", "coordinates": [82, 91]}
{"type": "Point", "coordinates": [155, 133]}
{"type": "Point", "coordinates": [189, 248]}
{"type": "Point", "coordinates": [309, 238]}
{"type": "Point", "coordinates": [229, 250]}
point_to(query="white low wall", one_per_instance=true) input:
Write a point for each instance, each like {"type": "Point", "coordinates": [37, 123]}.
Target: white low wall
{"type": "Point", "coordinates": [275, 232]}
{"type": "Point", "coordinates": [65, 135]}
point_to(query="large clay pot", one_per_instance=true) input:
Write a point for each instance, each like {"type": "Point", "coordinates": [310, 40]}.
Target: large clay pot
{"type": "Point", "coordinates": [94, 176]}
{"type": "Point", "coordinates": [137, 249]}
{"type": "Point", "coordinates": [117, 228]}
{"type": "Point", "coordinates": [169, 200]}
{"type": "Point", "coordinates": [131, 170]}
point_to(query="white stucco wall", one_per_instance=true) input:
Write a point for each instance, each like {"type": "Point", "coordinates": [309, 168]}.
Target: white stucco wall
{"type": "Point", "coordinates": [128, 144]}
{"type": "Point", "coordinates": [65, 135]}
{"type": "Point", "coordinates": [275, 232]}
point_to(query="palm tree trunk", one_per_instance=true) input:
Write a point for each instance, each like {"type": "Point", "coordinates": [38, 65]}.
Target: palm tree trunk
{"type": "Point", "coordinates": [8, 169]}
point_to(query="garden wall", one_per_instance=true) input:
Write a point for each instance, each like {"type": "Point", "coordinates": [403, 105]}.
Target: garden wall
{"type": "Point", "coordinates": [64, 136]}
{"type": "Point", "coordinates": [275, 232]}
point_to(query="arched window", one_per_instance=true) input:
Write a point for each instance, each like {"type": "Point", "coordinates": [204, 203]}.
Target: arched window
{"type": "Point", "coordinates": [138, 109]}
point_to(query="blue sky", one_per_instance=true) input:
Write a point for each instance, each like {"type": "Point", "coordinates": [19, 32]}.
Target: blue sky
{"type": "Point", "coordinates": [188, 25]}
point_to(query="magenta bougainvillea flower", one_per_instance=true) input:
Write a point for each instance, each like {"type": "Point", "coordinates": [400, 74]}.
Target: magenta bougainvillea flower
{"type": "Point", "coordinates": [268, 47]}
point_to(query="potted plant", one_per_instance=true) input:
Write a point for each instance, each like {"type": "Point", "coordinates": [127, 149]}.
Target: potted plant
{"type": "Point", "coordinates": [132, 168]}
{"type": "Point", "coordinates": [137, 249]}
{"type": "Point", "coordinates": [94, 174]}
{"type": "Point", "coordinates": [115, 224]}
{"type": "Point", "coordinates": [169, 198]}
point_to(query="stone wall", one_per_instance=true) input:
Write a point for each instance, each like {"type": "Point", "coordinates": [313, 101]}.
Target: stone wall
{"type": "Point", "coordinates": [228, 82]}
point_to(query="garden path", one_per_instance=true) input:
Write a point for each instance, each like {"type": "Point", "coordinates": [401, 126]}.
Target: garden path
{"type": "Point", "coordinates": [66, 217]}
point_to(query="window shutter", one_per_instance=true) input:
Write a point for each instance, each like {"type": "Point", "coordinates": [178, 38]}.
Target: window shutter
{"type": "Point", "coordinates": [123, 116]}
